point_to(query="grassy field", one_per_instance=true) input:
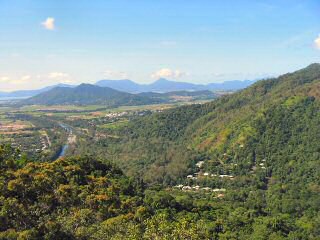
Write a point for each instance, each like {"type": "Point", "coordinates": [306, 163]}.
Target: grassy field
{"type": "Point", "coordinates": [35, 129]}
{"type": "Point", "coordinates": [114, 125]}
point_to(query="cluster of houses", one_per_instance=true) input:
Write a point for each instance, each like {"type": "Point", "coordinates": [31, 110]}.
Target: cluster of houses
{"type": "Point", "coordinates": [198, 188]}
{"type": "Point", "coordinates": [29, 145]}
{"type": "Point", "coordinates": [201, 174]}
{"type": "Point", "coordinates": [45, 143]}
{"type": "Point", "coordinates": [260, 165]}
{"type": "Point", "coordinates": [206, 174]}
{"type": "Point", "coordinates": [116, 114]}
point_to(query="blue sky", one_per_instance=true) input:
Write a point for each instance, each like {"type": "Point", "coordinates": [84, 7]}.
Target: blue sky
{"type": "Point", "coordinates": [73, 41]}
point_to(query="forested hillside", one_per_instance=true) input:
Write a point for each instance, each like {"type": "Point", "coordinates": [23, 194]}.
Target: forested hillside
{"type": "Point", "coordinates": [83, 198]}
{"type": "Point", "coordinates": [245, 166]}
{"type": "Point", "coordinates": [271, 118]}
{"type": "Point", "coordinates": [260, 144]}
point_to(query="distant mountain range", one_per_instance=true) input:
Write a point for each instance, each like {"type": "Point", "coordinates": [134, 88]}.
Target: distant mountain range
{"type": "Point", "coordinates": [164, 85]}
{"type": "Point", "coordinates": [88, 94]}
{"type": "Point", "coordinates": [161, 85]}
{"type": "Point", "coordinates": [30, 93]}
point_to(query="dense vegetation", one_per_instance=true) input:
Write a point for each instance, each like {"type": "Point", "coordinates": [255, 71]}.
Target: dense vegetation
{"type": "Point", "coordinates": [268, 119]}
{"type": "Point", "coordinates": [82, 198]}
{"type": "Point", "coordinates": [265, 136]}
{"type": "Point", "coordinates": [265, 139]}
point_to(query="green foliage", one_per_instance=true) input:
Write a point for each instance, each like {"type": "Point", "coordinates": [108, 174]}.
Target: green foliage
{"type": "Point", "coordinates": [266, 136]}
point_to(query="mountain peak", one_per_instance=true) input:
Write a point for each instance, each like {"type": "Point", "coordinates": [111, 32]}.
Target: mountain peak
{"type": "Point", "coordinates": [163, 80]}
{"type": "Point", "coordinates": [314, 65]}
{"type": "Point", "coordinates": [86, 85]}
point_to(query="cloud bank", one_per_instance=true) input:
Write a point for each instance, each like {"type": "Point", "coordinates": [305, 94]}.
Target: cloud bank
{"type": "Point", "coordinates": [168, 73]}
{"type": "Point", "coordinates": [49, 23]}
{"type": "Point", "coordinates": [317, 42]}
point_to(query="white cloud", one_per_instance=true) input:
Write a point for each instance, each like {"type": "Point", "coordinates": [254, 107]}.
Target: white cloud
{"type": "Point", "coordinates": [4, 79]}
{"type": "Point", "coordinates": [10, 83]}
{"type": "Point", "coordinates": [22, 80]}
{"type": "Point", "coordinates": [60, 77]}
{"type": "Point", "coordinates": [57, 75]}
{"type": "Point", "coordinates": [49, 23]}
{"type": "Point", "coordinates": [26, 77]}
{"type": "Point", "coordinates": [317, 42]}
{"type": "Point", "coordinates": [115, 74]}
{"type": "Point", "coordinates": [15, 81]}
{"type": "Point", "coordinates": [168, 73]}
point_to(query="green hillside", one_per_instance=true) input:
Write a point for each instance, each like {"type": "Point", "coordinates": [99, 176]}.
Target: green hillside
{"type": "Point", "coordinates": [260, 144]}
{"type": "Point", "coordinates": [276, 117]}
{"type": "Point", "coordinates": [273, 118]}
{"type": "Point", "coordinates": [248, 164]}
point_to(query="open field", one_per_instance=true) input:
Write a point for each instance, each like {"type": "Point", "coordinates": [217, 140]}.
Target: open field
{"type": "Point", "coordinates": [37, 129]}
{"type": "Point", "coordinates": [114, 125]}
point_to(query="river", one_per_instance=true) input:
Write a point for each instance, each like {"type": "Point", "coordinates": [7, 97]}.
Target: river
{"type": "Point", "coordinates": [63, 150]}
{"type": "Point", "coordinates": [71, 139]}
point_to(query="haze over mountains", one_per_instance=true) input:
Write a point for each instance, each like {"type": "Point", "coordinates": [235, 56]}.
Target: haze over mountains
{"type": "Point", "coordinates": [88, 94]}
{"type": "Point", "coordinates": [164, 85]}
{"type": "Point", "coordinates": [30, 93]}
{"type": "Point", "coordinates": [161, 85]}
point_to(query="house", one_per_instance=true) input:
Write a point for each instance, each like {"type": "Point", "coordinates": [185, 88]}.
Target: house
{"type": "Point", "coordinates": [219, 190]}
{"type": "Point", "coordinates": [196, 187]}
{"type": "Point", "coordinates": [186, 188]}
{"type": "Point", "coordinates": [190, 176]}
{"type": "Point", "coordinates": [206, 174]}
{"type": "Point", "coordinates": [206, 189]}
{"type": "Point", "coordinates": [199, 164]}
{"type": "Point", "coordinates": [222, 176]}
